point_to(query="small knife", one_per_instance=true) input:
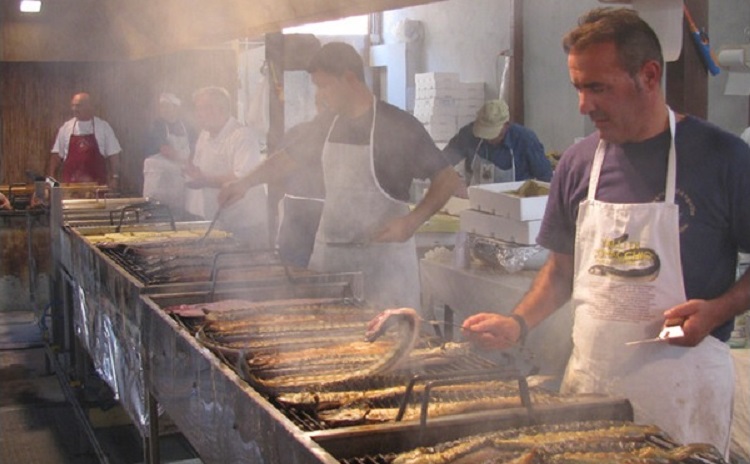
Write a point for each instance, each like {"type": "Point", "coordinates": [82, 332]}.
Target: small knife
{"type": "Point", "coordinates": [672, 329]}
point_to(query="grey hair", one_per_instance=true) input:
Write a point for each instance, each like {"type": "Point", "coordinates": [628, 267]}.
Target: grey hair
{"type": "Point", "coordinates": [216, 94]}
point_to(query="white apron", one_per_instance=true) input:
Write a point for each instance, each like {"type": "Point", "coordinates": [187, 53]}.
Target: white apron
{"type": "Point", "coordinates": [484, 171]}
{"type": "Point", "coordinates": [162, 177]}
{"type": "Point", "coordinates": [627, 273]}
{"type": "Point", "coordinates": [356, 206]}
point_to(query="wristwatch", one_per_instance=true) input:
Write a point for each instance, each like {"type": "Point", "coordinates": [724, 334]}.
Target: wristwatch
{"type": "Point", "coordinates": [522, 325]}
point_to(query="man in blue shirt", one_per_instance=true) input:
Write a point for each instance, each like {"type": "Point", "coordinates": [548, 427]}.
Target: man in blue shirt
{"type": "Point", "coordinates": [495, 150]}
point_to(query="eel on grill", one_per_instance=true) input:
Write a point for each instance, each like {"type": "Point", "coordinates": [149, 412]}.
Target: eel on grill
{"type": "Point", "coordinates": [567, 443]}
{"type": "Point", "coordinates": [406, 320]}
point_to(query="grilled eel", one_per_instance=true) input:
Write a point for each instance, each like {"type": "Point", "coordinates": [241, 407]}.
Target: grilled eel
{"type": "Point", "coordinates": [324, 400]}
{"type": "Point", "coordinates": [529, 440]}
{"type": "Point", "coordinates": [405, 319]}
{"type": "Point", "coordinates": [436, 408]}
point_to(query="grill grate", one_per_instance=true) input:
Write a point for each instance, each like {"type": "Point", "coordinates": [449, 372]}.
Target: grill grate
{"type": "Point", "coordinates": [659, 442]}
{"type": "Point", "coordinates": [462, 366]}
{"type": "Point", "coordinates": [198, 265]}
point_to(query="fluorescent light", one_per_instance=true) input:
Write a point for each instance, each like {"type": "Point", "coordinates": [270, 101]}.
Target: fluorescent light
{"type": "Point", "coordinates": [31, 6]}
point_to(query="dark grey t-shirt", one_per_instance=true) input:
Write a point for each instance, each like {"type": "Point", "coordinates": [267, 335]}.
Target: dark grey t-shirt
{"type": "Point", "coordinates": [713, 195]}
{"type": "Point", "coordinates": [403, 150]}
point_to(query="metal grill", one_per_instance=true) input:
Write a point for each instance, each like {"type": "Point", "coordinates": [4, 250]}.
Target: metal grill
{"type": "Point", "coordinates": [459, 368]}
{"type": "Point", "coordinates": [201, 264]}
{"type": "Point", "coordinates": [658, 442]}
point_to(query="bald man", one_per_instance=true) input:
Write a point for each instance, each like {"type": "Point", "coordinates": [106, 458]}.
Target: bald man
{"type": "Point", "coordinates": [86, 147]}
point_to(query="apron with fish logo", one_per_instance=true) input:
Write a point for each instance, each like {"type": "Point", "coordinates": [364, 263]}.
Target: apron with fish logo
{"type": "Point", "coordinates": [356, 206]}
{"type": "Point", "coordinates": [628, 271]}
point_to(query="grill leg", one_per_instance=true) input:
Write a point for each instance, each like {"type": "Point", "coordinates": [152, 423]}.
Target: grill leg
{"type": "Point", "coordinates": [151, 442]}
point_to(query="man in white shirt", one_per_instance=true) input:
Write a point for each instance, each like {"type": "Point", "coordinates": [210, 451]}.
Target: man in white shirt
{"type": "Point", "coordinates": [225, 151]}
{"type": "Point", "coordinates": [86, 147]}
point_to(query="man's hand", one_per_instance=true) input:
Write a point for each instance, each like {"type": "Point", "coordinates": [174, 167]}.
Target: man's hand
{"type": "Point", "coordinates": [232, 192]}
{"type": "Point", "coordinates": [491, 331]}
{"type": "Point", "coordinates": [196, 178]}
{"type": "Point", "coordinates": [399, 229]}
{"type": "Point", "coordinates": [699, 321]}
{"type": "Point", "coordinates": [4, 202]}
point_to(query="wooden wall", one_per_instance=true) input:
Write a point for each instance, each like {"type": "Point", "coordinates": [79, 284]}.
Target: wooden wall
{"type": "Point", "coordinates": [35, 101]}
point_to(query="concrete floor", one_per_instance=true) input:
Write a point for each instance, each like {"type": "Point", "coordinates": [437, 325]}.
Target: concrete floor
{"type": "Point", "coordinates": [39, 425]}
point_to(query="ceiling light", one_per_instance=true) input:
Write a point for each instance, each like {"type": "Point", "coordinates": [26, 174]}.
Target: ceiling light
{"type": "Point", "coordinates": [31, 6]}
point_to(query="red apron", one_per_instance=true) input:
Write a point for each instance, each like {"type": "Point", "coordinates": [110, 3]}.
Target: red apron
{"type": "Point", "coordinates": [84, 162]}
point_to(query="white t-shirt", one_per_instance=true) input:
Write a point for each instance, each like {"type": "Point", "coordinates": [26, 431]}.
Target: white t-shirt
{"type": "Point", "coordinates": [236, 150]}
{"type": "Point", "coordinates": [105, 136]}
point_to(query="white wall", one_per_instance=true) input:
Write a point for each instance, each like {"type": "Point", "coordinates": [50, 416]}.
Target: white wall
{"type": "Point", "coordinates": [551, 102]}
{"type": "Point", "coordinates": [727, 22]}
{"type": "Point", "coordinates": [465, 36]}
{"type": "Point", "coordinates": [461, 36]}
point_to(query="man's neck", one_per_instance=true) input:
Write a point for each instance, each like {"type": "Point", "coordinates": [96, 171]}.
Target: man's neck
{"type": "Point", "coordinates": [361, 102]}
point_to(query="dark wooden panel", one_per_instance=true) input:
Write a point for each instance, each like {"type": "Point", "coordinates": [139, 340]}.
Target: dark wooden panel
{"type": "Point", "coordinates": [687, 78]}
{"type": "Point", "coordinates": [36, 100]}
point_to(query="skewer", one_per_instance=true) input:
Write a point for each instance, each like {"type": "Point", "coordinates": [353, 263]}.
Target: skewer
{"type": "Point", "coordinates": [211, 226]}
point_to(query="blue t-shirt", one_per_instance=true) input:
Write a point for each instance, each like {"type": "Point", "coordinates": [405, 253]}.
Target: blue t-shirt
{"type": "Point", "coordinates": [713, 195]}
{"type": "Point", "coordinates": [522, 143]}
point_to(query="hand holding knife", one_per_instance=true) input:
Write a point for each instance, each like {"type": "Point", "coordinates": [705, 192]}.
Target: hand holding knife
{"type": "Point", "coordinates": [672, 329]}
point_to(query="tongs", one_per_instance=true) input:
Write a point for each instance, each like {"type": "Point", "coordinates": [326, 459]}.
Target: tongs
{"type": "Point", "coordinates": [672, 329]}
{"type": "Point", "coordinates": [211, 226]}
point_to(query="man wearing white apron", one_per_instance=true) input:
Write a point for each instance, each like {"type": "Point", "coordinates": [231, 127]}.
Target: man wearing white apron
{"type": "Point", "coordinates": [170, 151]}
{"type": "Point", "coordinates": [371, 153]}
{"type": "Point", "coordinates": [494, 149]}
{"type": "Point", "coordinates": [355, 209]}
{"type": "Point", "coordinates": [644, 221]}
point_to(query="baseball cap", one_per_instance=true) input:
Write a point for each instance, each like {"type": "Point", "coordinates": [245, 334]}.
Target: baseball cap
{"type": "Point", "coordinates": [490, 120]}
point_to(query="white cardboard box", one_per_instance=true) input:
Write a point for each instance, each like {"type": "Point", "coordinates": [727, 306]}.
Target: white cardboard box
{"type": "Point", "coordinates": [496, 199]}
{"type": "Point", "coordinates": [503, 228]}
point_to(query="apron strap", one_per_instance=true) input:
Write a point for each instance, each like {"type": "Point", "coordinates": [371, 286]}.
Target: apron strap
{"type": "Point", "coordinates": [669, 194]}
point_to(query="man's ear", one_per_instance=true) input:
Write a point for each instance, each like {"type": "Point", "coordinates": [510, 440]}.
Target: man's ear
{"type": "Point", "coordinates": [651, 73]}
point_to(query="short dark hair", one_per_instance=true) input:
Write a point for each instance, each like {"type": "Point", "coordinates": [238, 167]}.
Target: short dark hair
{"type": "Point", "coordinates": [635, 41]}
{"type": "Point", "coordinates": [336, 58]}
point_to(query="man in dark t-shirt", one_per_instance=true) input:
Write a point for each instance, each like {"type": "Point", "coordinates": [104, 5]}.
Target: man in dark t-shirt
{"type": "Point", "coordinates": [372, 151]}
{"type": "Point", "coordinates": [643, 222]}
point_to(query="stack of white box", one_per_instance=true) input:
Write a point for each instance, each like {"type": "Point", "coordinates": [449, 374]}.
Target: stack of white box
{"type": "Point", "coordinates": [496, 212]}
{"type": "Point", "coordinates": [444, 104]}
{"type": "Point", "coordinates": [468, 101]}
{"type": "Point", "coordinates": [434, 103]}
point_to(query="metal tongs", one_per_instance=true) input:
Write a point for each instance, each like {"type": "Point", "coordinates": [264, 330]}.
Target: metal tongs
{"type": "Point", "coordinates": [672, 329]}
{"type": "Point", "coordinates": [211, 226]}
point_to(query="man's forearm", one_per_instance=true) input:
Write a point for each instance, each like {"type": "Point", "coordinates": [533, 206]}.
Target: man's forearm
{"type": "Point", "coordinates": [551, 288]}
{"type": "Point", "coordinates": [734, 301]}
{"type": "Point", "coordinates": [442, 186]}
{"type": "Point", "coordinates": [276, 167]}
{"type": "Point", "coordinates": [54, 165]}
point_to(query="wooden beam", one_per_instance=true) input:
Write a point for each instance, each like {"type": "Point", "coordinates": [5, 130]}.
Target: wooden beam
{"type": "Point", "coordinates": [687, 78]}
{"type": "Point", "coordinates": [515, 81]}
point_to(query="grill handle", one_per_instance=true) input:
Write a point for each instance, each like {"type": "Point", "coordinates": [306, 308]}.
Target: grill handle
{"type": "Point", "coordinates": [215, 267]}
{"type": "Point", "coordinates": [145, 207]}
{"type": "Point", "coordinates": [452, 378]}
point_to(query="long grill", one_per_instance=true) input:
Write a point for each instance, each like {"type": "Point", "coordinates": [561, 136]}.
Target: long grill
{"type": "Point", "coordinates": [221, 415]}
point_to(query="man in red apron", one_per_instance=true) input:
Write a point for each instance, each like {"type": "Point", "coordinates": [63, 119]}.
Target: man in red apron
{"type": "Point", "coordinates": [86, 147]}
{"type": "Point", "coordinates": [644, 221]}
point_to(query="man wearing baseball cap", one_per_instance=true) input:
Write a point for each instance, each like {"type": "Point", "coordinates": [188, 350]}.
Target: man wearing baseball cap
{"type": "Point", "coordinates": [496, 150]}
